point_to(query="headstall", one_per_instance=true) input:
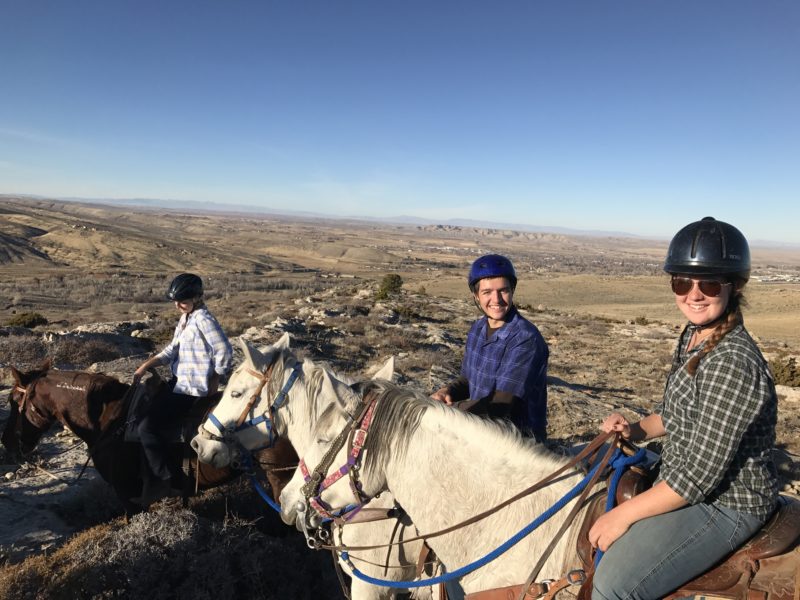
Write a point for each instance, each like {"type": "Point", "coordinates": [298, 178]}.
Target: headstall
{"type": "Point", "coordinates": [229, 434]}
{"type": "Point", "coordinates": [317, 481]}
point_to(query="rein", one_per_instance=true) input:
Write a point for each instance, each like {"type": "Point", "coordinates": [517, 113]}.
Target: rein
{"type": "Point", "coordinates": [588, 451]}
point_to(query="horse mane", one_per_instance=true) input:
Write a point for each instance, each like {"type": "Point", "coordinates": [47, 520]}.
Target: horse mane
{"type": "Point", "coordinates": [399, 412]}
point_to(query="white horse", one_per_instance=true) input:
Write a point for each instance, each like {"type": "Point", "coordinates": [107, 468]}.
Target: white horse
{"type": "Point", "coordinates": [443, 466]}
{"type": "Point", "coordinates": [244, 383]}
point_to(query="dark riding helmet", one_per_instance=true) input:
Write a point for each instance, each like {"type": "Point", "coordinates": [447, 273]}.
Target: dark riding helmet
{"type": "Point", "coordinates": [709, 247]}
{"type": "Point", "coordinates": [185, 287]}
{"type": "Point", "coordinates": [491, 265]}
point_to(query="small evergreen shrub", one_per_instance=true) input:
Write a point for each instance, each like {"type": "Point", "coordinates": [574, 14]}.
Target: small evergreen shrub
{"type": "Point", "coordinates": [390, 285]}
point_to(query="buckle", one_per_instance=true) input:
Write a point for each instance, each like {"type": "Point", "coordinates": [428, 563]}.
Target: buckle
{"type": "Point", "coordinates": [576, 576]}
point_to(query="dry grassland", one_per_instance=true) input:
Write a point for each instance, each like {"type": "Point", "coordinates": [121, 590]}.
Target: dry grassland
{"type": "Point", "coordinates": [54, 254]}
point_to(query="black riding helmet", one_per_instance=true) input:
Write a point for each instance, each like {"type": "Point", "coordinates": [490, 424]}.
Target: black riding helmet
{"type": "Point", "coordinates": [709, 247]}
{"type": "Point", "coordinates": [185, 287]}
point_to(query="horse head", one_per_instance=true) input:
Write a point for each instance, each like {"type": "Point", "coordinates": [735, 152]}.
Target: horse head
{"type": "Point", "coordinates": [243, 418]}
{"type": "Point", "coordinates": [27, 421]}
{"type": "Point", "coordinates": [330, 441]}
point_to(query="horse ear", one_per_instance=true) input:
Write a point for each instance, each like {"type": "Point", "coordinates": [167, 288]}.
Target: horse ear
{"type": "Point", "coordinates": [252, 356]}
{"type": "Point", "coordinates": [16, 375]}
{"type": "Point", "coordinates": [283, 343]}
{"type": "Point", "coordinates": [338, 390]}
{"type": "Point", "coordinates": [386, 371]}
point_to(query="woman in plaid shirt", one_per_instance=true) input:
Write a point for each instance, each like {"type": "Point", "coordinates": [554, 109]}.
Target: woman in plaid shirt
{"type": "Point", "coordinates": [717, 483]}
{"type": "Point", "coordinates": [199, 356]}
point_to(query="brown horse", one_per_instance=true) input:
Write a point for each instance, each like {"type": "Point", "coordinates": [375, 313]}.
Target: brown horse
{"type": "Point", "coordinates": [94, 407]}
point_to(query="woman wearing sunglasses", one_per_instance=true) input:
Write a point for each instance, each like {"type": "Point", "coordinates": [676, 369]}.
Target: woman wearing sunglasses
{"type": "Point", "coordinates": [717, 484]}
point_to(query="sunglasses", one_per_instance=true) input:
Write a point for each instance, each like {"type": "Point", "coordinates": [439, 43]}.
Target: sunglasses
{"type": "Point", "coordinates": [709, 287]}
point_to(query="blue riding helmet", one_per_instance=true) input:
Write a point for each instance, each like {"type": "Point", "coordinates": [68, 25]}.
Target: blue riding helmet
{"type": "Point", "coordinates": [491, 265]}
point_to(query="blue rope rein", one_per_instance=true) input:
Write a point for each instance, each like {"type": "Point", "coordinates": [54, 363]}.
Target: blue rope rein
{"type": "Point", "coordinates": [263, 493]}
{"type": "Point", "coordinates": [620, 464]}
{"type": "Point", "coordinates": [504, 547]}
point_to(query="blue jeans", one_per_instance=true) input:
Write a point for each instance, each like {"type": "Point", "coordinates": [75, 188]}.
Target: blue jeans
{"type": "Point", "coordinates": [659, 554]}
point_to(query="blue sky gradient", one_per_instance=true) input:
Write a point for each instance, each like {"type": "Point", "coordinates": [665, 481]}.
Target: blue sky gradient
{"type": "Point", "coordinates": [635, 116]}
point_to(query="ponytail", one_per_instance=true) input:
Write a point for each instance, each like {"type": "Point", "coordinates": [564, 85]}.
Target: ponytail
{"type": "Point", "coordinates": [732, 318]}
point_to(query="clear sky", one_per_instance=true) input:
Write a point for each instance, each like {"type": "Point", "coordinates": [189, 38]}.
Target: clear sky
{"type": "Point", "coordinates": [636, 115]}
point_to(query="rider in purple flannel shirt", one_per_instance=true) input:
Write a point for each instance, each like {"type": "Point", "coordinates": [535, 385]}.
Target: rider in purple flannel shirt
{"type": "Point", "coordinates": [504, 371]}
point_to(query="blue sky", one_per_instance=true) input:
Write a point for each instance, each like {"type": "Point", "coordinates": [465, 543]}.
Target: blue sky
{"type": "Point", "coordinates": [638, 115]}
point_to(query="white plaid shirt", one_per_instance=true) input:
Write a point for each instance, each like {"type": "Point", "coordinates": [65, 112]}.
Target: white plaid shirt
{"type": "Point", "coordinates": [721, 426]}
{"type": "Point", "coordinates": [199, 348]}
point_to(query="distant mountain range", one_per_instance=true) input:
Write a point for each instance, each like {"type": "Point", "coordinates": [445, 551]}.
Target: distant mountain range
{"type": "Point", "coordinates": [195, 206]}
{"type": "Point", "coordinates": [191, 205]}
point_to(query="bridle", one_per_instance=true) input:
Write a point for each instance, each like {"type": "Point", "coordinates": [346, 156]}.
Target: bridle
{"type": "Point", "coordinates": [25, 403]}
{"type": "Point", "coordinates": [355, 436]}
{"type": "Point", "coordinates": [229, 435]}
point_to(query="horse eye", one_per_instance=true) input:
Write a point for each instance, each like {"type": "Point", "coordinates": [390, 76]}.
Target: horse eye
{"type": "Point", "coordinates": [323, 440]}
{"type": "Point", "coordinates": [236, 394]}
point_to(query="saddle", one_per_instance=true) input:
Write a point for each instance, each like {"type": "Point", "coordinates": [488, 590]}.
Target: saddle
{"type": "Point", "coordinates": [178, 432]}
{"type": "Point", "coordinates": [765, 568]}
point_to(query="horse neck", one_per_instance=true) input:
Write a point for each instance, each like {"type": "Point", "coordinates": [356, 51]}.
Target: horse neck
{"type": "Point", "coordinates": [457, 466]}
{"type": "Point", "coordinates": [86, 410]}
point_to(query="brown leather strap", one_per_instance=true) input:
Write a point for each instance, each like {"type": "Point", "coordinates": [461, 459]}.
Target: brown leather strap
{"type": "Point", "coordinates": [368, 515]}
{"type": "Point", "coordinates": [264, 377]}
{"type": "Point", "coordinates": [545, 589]}
{"type": "Point", "coordinates": [570, 518]}
{"type": "Point", "coordinates": [424, 553]}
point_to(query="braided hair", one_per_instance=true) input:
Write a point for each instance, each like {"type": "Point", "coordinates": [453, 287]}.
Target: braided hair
{"type": "Point", "coordinates": [731, 318]}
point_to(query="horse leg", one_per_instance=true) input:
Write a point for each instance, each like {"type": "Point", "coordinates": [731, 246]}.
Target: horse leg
{"type": "Point", "coordinates": [360, 590]}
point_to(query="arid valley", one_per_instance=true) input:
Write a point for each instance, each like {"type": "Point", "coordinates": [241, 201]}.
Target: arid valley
{"type": "Point", "coordinates": [96, 275]}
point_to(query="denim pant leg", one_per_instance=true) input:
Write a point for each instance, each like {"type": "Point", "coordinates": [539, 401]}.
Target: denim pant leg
{"type": "Point", "coordinates": [659, 554]}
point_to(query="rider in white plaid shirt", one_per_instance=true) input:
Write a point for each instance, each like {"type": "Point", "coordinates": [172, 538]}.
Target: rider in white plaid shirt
{"type": "Point", "coordinates": [200, 356]}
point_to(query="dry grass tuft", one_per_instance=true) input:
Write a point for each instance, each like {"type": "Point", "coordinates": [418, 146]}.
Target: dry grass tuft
{"type": "Point", "coordinates": [169, 554]}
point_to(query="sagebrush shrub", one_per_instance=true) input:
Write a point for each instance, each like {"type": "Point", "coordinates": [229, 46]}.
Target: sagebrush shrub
{"type": "Point", "coordinates": [785, 371]}
{"type": "Point", "coordinates": [390, 284]}
{"type": "Point", "coordinates": [27, 319]}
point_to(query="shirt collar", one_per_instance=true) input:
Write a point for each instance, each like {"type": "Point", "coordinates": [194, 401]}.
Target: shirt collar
{"type": "Point", "coordinates": [503, 331]}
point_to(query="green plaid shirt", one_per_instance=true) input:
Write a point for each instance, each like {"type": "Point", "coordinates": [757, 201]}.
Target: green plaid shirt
{"type": "Point", "coordinates": [721, 426]}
